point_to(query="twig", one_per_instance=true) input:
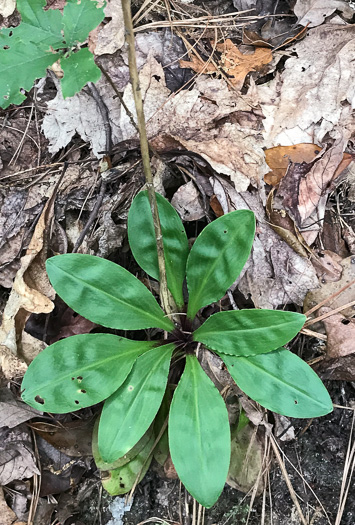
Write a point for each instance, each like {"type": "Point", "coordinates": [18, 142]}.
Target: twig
{"type": "Point", "coordinates": [92, 217]}
{"type": "Point", "coordinates": [165, 297]}
{"type": "Point", "coordinates": [287, 480]}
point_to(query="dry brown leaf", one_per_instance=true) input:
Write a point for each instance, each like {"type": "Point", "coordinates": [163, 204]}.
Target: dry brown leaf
{"type": "Point", "coordinates": [17, 461]}
{"type": "Point", "coordinates": [340, 334]}
{"type": "Point", "coordinates": [13, 411]}
{"type": "Point", "coordinates": [314, 12]}
{"type": "Point", "coordinates": [278, 159]}
{"type": "Point", "coordinates": [72, 438]}
{"type": "Point", "coordinates": [311, 97]}
{"type": "Point", "coordinates": [187, 202]}
{"type": "Point", "coordinates": [235, 64]}
{"type": "Point", "coordinates": [31, 293]}
{"type": "Point", "coordinates": [8, 517]}
{"type": "Point", "coordinates": [326, 290]}
{"type": "Point", "coordinates": [247, 450]}
{"type": "Point", "coordinates": [108, 38]}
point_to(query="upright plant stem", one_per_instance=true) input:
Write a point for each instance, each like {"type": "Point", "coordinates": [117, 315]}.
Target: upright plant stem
{"type": "Point", "coordinates": [165, 296]}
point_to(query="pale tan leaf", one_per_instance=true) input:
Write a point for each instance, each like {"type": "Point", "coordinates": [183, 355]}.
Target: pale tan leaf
{"type": "Point", "coordinates": [187, 202]}
{"type": "Point", "coordinates": [7, 7]}
{"type": "Point", "coordinates": [8, 517]}
{"type": "Point", "coordinates": [340, 334]}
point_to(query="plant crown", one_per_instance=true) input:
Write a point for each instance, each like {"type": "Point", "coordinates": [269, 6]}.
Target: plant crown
{"type": "Point", "coordinates": [136, 378]}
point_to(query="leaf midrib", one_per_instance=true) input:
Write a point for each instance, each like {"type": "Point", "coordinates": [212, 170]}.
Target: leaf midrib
{"type": "Point", "coordinates": [120, 301]}
{"type": "Point", "coordinates": [279, 381]}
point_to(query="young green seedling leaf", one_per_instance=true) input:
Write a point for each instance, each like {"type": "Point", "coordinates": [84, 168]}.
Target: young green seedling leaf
{"type": "Point", "coordinates": [281, 382]}
{"type": "Point", "coordinates": [199, 434]}
{"type": "Point", "coordinates": [80, 371]}
{"type": "Point", "coordinates": [105, 293]}
{"type": "Point", "coordinates": [143, 244]}
{"type": "Point", "coordinates": [217, 258]}
{"type": "Point", "coordinates": [79, 69]}
{"type": "Point", "coordinates": [249, 332]}
{"type": "Point", "coordinates": [138, 399]}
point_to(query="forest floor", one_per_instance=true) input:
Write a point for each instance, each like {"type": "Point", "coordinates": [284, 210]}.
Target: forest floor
{"type": "Point", "coordinates": [249, 105]}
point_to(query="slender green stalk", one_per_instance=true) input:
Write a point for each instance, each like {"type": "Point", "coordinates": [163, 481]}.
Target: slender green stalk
{"type": "Point", "coordinates": [165, 296]}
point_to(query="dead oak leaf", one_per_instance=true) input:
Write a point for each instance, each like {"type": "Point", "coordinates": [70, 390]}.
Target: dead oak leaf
{"type": "Point", "coordinates": [340, 334]}
{"type": "Point", "coordinates": [235, 64]}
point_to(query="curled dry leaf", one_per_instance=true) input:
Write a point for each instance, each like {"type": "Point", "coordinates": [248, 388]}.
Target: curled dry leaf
{"type": "Point", "coordinates": [279, 157]}
{"type": "Point", "coordinates": [31, 293]}
{"type": "Point", "coordinates": [235, 64]}
{"type": "Point", "coordinates": [108, 38]}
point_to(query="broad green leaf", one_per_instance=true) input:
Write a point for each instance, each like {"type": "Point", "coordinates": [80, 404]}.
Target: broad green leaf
{"type": "Point", "coordinates": [199, 434]}
{"type": "Point", "coordinates": [79, 18]}
{"type": "Point", "coordinates": [161, 451]}
{"type": "Point", "coordinates": [105, 293]}
{"type": "Point", "coordinates": [131, 454]}
{"type": "Point", "coordinates": [79, 69]}
{"type": "Point", "coordinates": [217, 258]}
{"type": "Point", "coordinates": [249, 332]}
{"type": "Point", "coordinates": [122, 479]}
{"type": "Point", "coordinates": [19, 67]}
{"type": "Point", "coordinates": [281, 382]}
{"type": "Point", "coordinates": [143, 244]}
{"type": "Point", "coordinates": [80, 371]}
{"type": "Point", "coordinates": [129, 412]}
{"type": "Point", "coordinates": [37, 25]}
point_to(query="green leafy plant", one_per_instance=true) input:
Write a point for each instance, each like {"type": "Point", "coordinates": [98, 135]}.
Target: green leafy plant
{"type": "Point", "coordinates": [146, 380]}
{"type": "Point", "coordinates": [42, 38]}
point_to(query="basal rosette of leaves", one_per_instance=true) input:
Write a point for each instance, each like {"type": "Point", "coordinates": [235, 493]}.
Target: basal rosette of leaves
{"type": "Point", "coordinates": [143, 381]}
{"type": "Point", "coordinates": [42, 38]}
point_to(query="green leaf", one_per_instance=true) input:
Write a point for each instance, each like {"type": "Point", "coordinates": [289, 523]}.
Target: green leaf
{"type": "Point", "coordinates": [217, 258]}
{"type": "Point", "coordinates": [122, 479]}
{"type": "Point", "coordinates": [143, 244]}
{"type": "Point", "coordinates": [19, 67]}
{"type": "Point", "coordinates": [79, 69]}
{"type": "Point", "coordinates": [129, 412]}
{"type": "Point", "coordinates": [105, 293]}
{"type": "Point", "coordinates": [199, 434]}
{"type": "Point", "coordinates": [79, 18]}
{"type": "Point", "coordinates": [281, 382]}
{"type": "Point", "coordinates": [131, 454]}
{"type": "Point", "coordinates": [80, 371]}
{"type": "Point", "coordinates": [249, 332]}
{"type": "Point", "coordinates": [161, 451]}
{"type": "Point", "coordinates": [41, 27]}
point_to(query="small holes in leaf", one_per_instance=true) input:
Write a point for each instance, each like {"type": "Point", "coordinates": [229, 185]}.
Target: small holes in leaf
{"type": "Point", "coordinates": [345, 321]}
{"type": "Point", "coordinates": [72, 378]}
{"type": "Point", "coordinates": [79, 378]}
{"type": "Point", "coordinates": [225, 231]}
{"type": "Point", "coordinates": [39, 400]}
{"type": "Point", "coordinates": [83, 391]}
{"type": "Point", "coordinates": [76, 402]}
{"type": "Point", "coordinates": [296, 402]}
{"type": "Point", "coordinates": [130, 388]}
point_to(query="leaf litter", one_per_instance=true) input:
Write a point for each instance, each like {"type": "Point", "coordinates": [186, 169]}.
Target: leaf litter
{"type": "Point", "coordinates": [221, 113]}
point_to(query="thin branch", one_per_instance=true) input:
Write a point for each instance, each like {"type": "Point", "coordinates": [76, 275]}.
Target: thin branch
{"type": "Point", "coordinates": [165, 296]}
